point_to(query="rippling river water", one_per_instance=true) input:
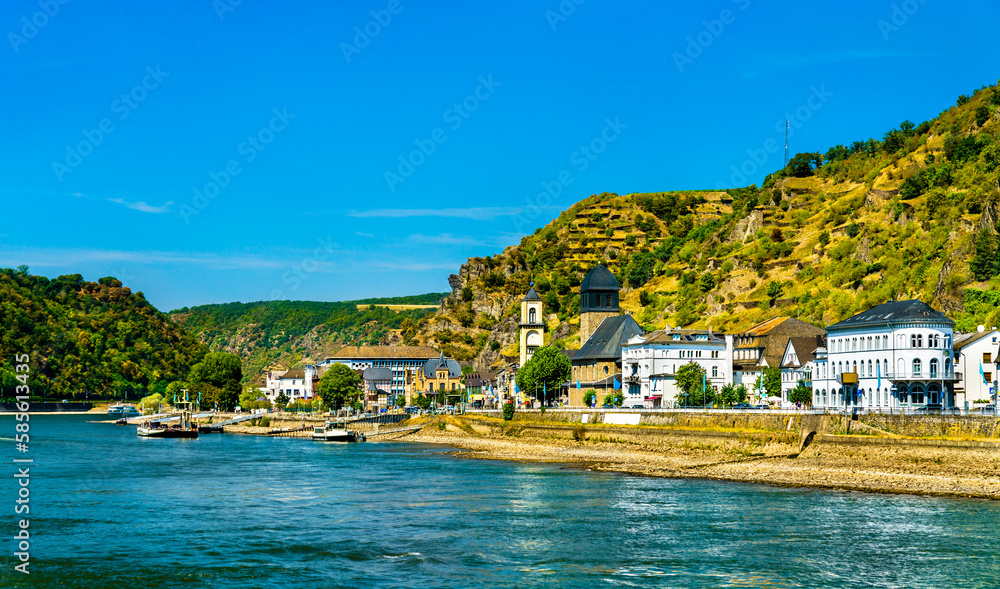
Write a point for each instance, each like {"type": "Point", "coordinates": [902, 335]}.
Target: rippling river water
{"type": "Point", "coordinates": [109, 509]}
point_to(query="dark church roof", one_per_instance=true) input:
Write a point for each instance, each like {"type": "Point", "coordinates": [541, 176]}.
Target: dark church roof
{"type": "Point", "coordinates": [912, 311]}
{"type": "Point", "coordinates": [599, 279]}
{"type": "Point", "coordinates": [431, 367]}
{"type": "Point", "coordinates": [532, 295]}
{"type": "Point", "coordinates": [607, 341]}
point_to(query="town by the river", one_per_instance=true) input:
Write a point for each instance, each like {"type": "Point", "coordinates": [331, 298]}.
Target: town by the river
{"type": "Point", "coordinates": [119, 510]}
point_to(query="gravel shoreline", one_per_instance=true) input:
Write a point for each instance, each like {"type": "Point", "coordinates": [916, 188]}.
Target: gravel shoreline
{"type": "Point", "coordinates": [873, 468]}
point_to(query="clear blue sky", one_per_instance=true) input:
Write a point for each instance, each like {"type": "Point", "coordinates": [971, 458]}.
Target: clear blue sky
{"type": "Point", "coordinates": [114, 114]}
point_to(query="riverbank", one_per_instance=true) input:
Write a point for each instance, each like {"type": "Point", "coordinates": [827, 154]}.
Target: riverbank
{"type": "Point", "coordinates": [869, 463]}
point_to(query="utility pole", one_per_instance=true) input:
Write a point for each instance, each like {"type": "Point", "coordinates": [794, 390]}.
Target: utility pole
{"type": "Point", "coordinates": [786, 143]}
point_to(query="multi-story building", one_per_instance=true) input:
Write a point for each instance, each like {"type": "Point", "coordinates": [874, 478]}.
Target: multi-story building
{"type": "Point", "coordinates": [439, 378]}
{"type": "Point", "coordinates": [894, 355]}
{"type": "Point", "coordinates": [650, 363]}
{"type": "Point", "coordinates": [976, 359]}
{"type": "Point", "coordinates": [294, 385]}
{"type": "Point", "coordinates": [763, 346]}
{"type": "Point", "coordinates": [797, 363]}
{"type": "Point", "coordinates": [398, 359]}
{"type": "Point", "coordinates": [377, 383]}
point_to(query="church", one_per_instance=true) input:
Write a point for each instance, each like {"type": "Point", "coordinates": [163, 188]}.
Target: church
{"type": "Point", "coordinates": [603, 332]}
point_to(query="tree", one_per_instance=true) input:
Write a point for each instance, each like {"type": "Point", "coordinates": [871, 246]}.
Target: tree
{"type": "Point", "coordinates": [423, 401]}
{"type": "Point", "coordinates": [217, 377]}
{"type": "Point", "coordinates": [733, 393]}
{"type": "Point", "coordinates": [547, 370]}
{"type": "Point", "coordinates": [340, 385]}
{"type": "Point", "coordinates": [508, 410]}
{"type": "Point", "coordinates": [984, 262]}
{"type": "Point", "coordinates": [707, 282]}
{"type": "Point", "coordinates": [590, 398]}
{"type": "Point", "coordinates": [691, 381]}
{"type": "Point", "coordinates": [774, 290]}
{"type": "Point", "coordinates": [614, 399]}
{"type": "Point", "coordinates": [772, 381]}
{"type": "Point", "coordinates": [281, 400]}
{"type": "Point", "coordinates": [801, 394]}
{"type": "Point", "coordinates": [400, 401]}
{"type": "Point", "coordinates": [803, 163]}
{"type": "Point", "coordinates": [824, 238]}
{"type": "Point", "coordinates": [640, 268]}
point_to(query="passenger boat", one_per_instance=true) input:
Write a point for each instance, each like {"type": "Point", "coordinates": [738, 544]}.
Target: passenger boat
{"type": "Point", "coordinates": [336, 432]}
{"type": "Point", "coordinates": [122, 409]}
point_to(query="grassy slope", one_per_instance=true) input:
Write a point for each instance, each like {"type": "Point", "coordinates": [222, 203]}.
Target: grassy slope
{"type": "Point", "coordinates": [880, 245]}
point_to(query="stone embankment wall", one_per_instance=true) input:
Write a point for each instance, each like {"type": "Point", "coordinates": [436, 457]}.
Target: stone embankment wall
{"type": "Point", "coordinates": [913, 426]}
{"type": "Point", "coordinates": [755, 421]}
{"type": "Point", "coordinates": [935, 426]}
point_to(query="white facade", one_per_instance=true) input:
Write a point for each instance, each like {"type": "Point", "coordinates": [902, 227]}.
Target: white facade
{"type": "Point", "coordinates": [976, 363]}
{"type": "Point", "coordinates": [895, 355]}
{"type": "Point", "coordinates": [373, 357]}
{"type": "Point", "coordinates": [796, 366]}
{"type": "Point", "coordinates": [650, 363]}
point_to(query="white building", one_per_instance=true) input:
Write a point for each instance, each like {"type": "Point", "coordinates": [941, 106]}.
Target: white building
{"type": "Point", "coordinates": [975, 364]}
{"type": "Point", "coordinates": [296, 384]}
{"type": "Point", "coordinates": [763, 346]}
{"type": "Point", "coordinates": [650, 363]}
{"type": "Point", "coordinates": [894, 355]}
{"type": "Point", "coordinates": [399, 359]}
{"type": "Point", "coordinates": [797, 363]}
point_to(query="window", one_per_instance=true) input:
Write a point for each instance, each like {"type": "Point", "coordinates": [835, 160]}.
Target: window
{"type": "Point", "coordinates": [715, 371]}
{"type": "Point", "coordinates": [920, 341]}
{"type": "Point", "coordinates": [913, 341]}
{"type": "Point", "coordinates": [987, 357]}
{"type": "Point", "coordinates": [531, 315]}
{"type": "Point", "coordinates": [609, 302]}
{"type": "Point", "coordinates": [854, 344]}
{"type": "Point", "coordinates": [988, 376]}
{"type": "Point", "coordinates": [597, 299]}
{"type": "Point", "coordinates": [885, 341]}
{"type": "Point", "coordinates": [916, 367]}
{"type": "Point", "coordinates": [934, 368]}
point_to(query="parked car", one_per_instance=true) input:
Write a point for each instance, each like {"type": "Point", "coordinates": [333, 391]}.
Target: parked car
{"type": "Point", "coordinates": [742, 406]}
{"type": "Point", "coordinates": [638, 407]}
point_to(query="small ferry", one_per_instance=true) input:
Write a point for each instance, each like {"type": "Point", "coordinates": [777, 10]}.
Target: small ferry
{"type": "Point", "coordinates": [183, 428]}
{"type": "Point", "coordinates": [122, 409]}
{"type": "Point", "coordinates": [336, 431]}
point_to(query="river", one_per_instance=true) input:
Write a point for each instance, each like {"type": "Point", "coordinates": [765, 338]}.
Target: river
{"type": "Point", "coordinates": [110, 509]}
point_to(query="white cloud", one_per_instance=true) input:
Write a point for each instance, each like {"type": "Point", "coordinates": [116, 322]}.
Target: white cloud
{"type": "Point", "coordinates": [140, 205]}
{"type": "Point", "coordinates": [475, 213]}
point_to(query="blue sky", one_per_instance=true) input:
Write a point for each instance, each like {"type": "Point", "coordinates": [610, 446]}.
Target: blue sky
{"type": "Point", "coordinates": [204, 152]}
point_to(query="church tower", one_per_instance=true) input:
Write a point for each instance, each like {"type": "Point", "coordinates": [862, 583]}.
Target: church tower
{"type": "Point", "coordinates": [532, 324]}
{"type": "Point", "coordinates": [598, 300]}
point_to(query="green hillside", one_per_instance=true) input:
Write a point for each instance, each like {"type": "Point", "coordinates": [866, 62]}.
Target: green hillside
{"type": "Point", "coordinates": [913, 214]}
{"type": "Point", "coordinates": [286, 332]}
{"type": "Point", "coordinates": [88, 339]}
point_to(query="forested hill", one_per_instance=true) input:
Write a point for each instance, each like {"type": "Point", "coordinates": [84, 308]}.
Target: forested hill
{"type": "Point", "coordinates": [286, 332]}
{"type": "Point", "coordinates": [87, 338]}
{"type": "Point", "coordinates": [910, 215]}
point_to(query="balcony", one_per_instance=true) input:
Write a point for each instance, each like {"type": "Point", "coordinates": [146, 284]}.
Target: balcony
{"type": "Point", "coordinates": [930, 376]}
{"type": "Point", "coordinates": [632, 379]}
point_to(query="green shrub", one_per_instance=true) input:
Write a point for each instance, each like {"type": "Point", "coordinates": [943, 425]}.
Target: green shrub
{"type": "Point", "coordinates": [508, 411]}
{"type": "Point", "coordinates": [580, 433]}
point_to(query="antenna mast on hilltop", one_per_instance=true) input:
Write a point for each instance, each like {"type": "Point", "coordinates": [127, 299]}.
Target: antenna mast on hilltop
{"type": "Point", "coordinates": [786, 143]}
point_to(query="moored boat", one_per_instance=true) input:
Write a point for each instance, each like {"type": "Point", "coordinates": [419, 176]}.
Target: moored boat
{"type": "Point", "coordinates": [336, 432]}
{"type": "Point", "coordinates": [184, 428]}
